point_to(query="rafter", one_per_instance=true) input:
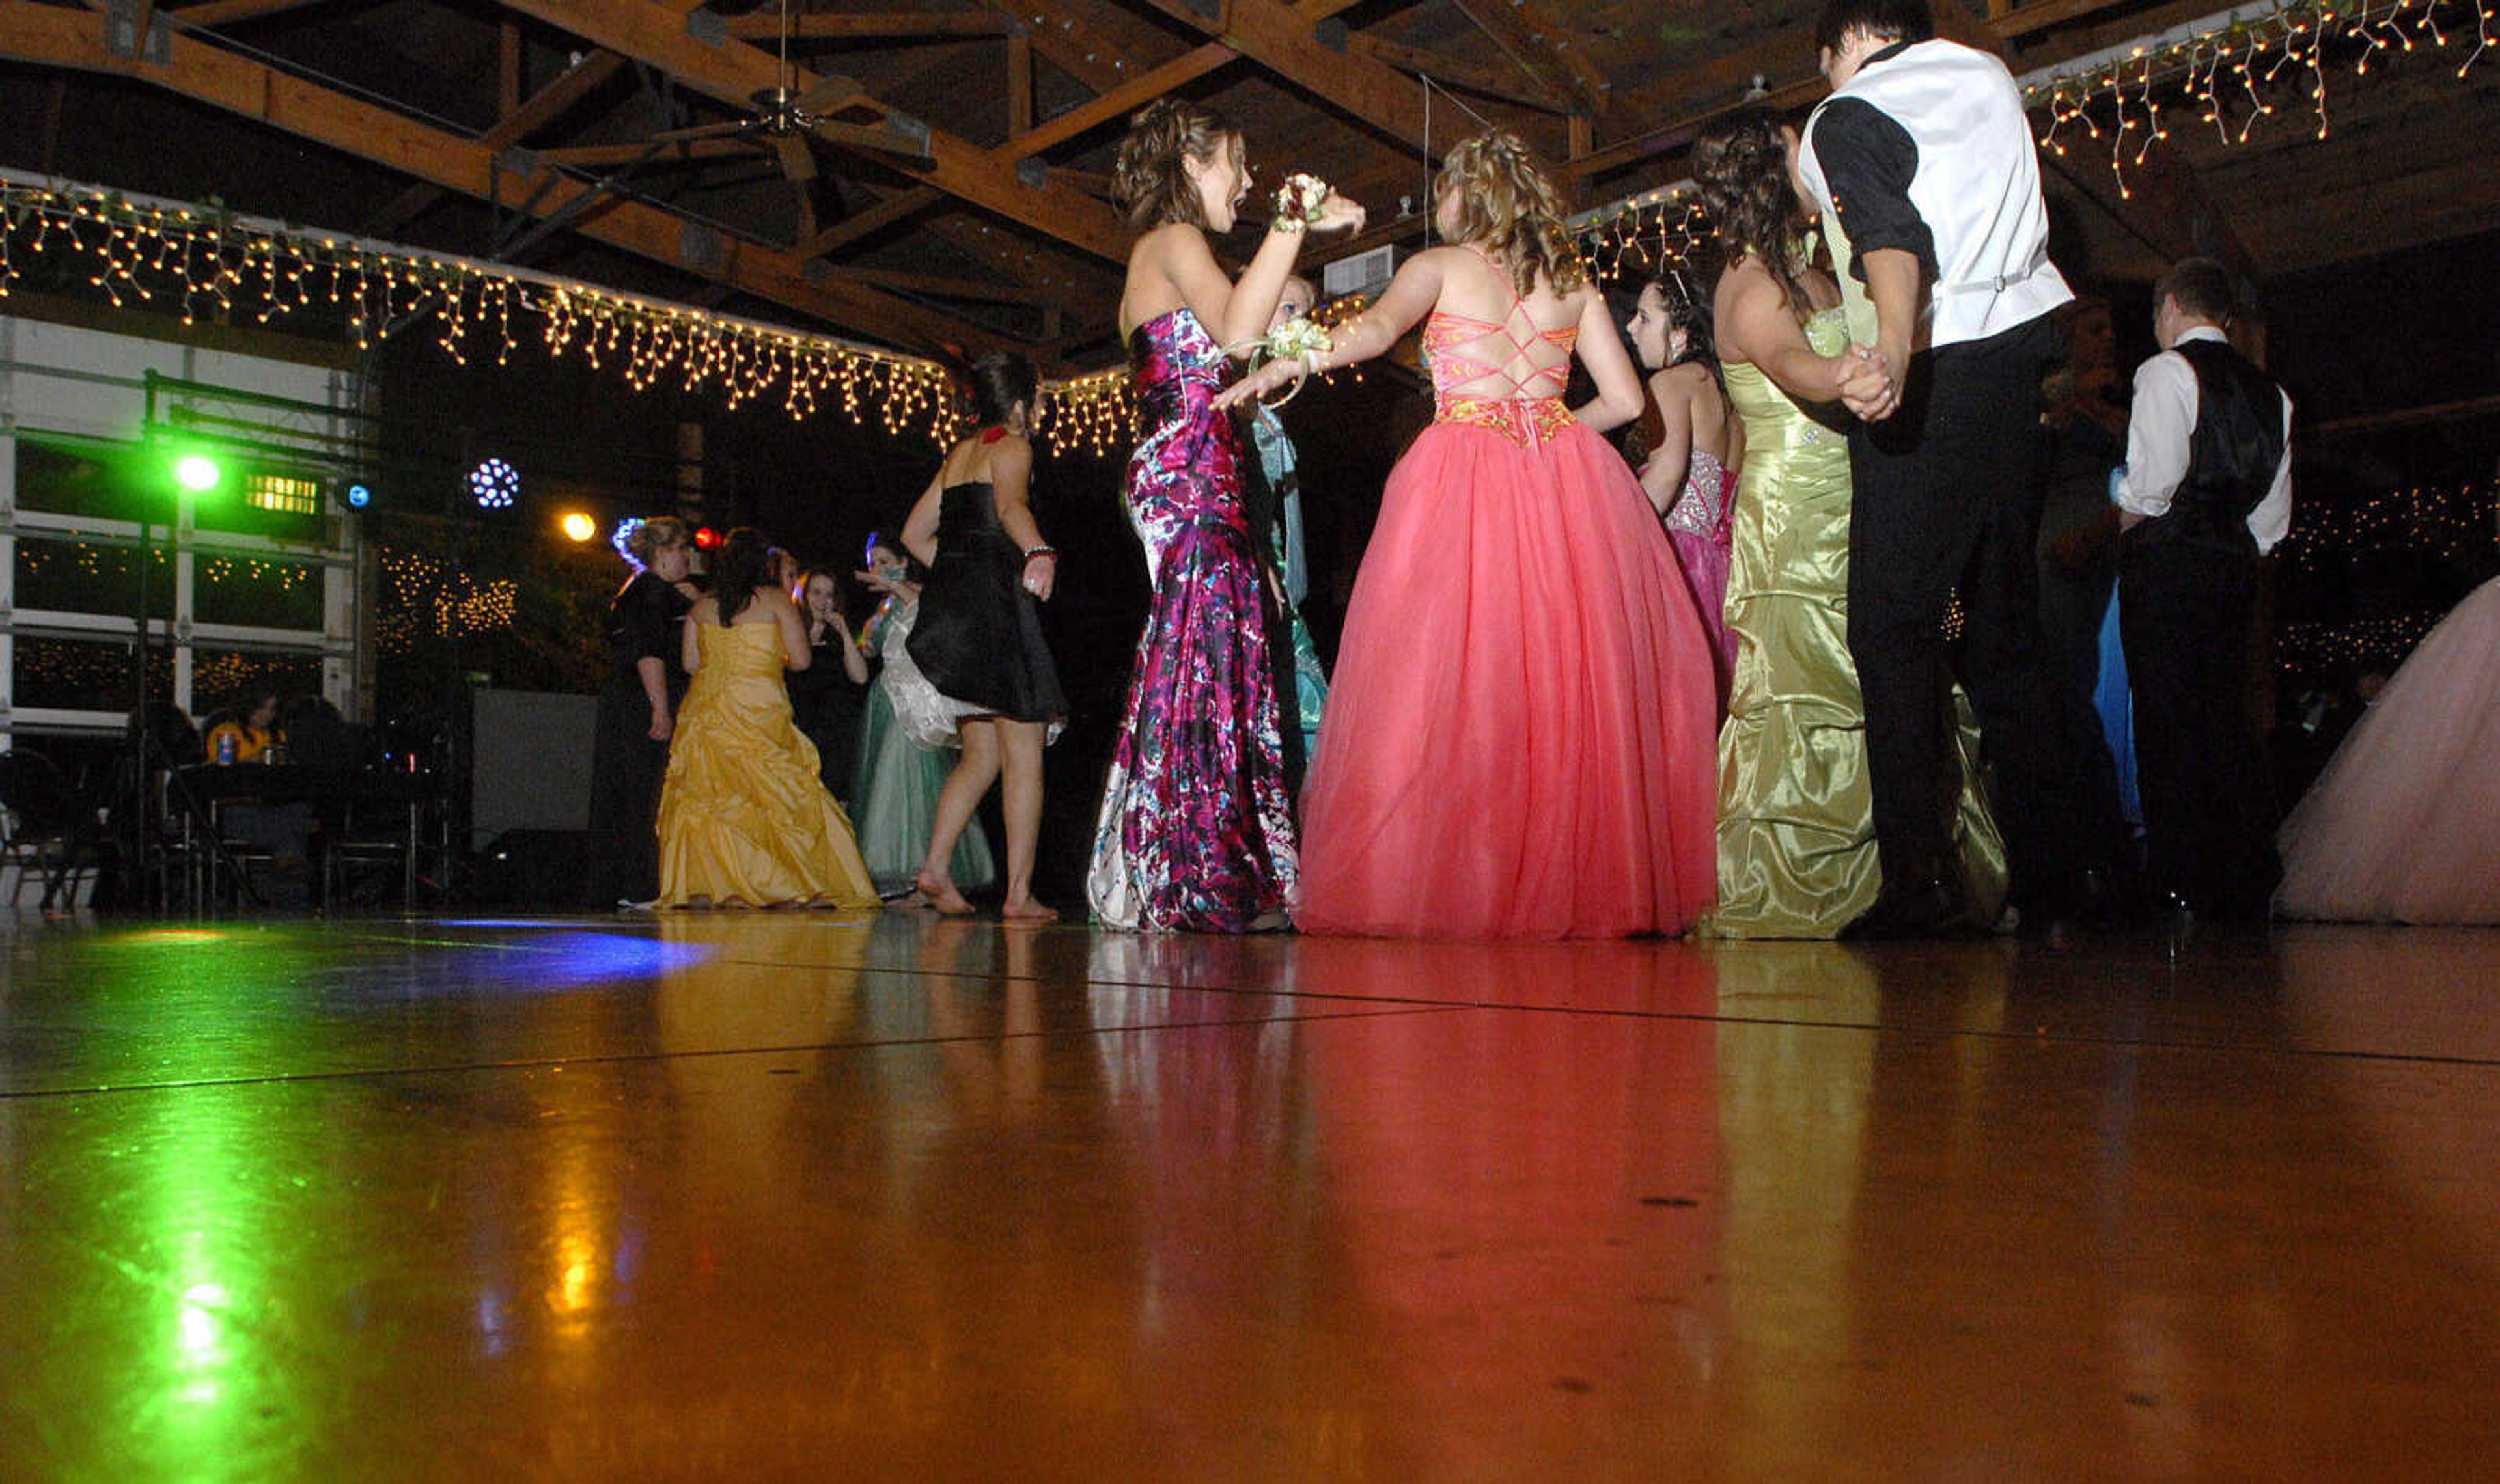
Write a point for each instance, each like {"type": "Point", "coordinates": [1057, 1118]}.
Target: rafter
{"type": "Point", "coordinates": [892, 25]}
{"type": "Point", "coordinates": [735, 71]}
{"type": "Point", "coordinates": [51, 36]}
{"type": "Point", "coordinates": [894, 209]}
{"type": "Point", "coordinates": [1541, 49]}
{"type": "Point", "coordinates": [1416, 61]}
{"type": "Point", "coordinates": [225, 12]}
{"type": "Point", "coordinates": [1119, 101]}
{"type": "Point", "coordinates": [541, 108]}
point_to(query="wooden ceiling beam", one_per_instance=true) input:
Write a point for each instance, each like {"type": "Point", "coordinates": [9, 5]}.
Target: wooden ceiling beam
{"type": "Point", "coordinates": [1540, 46]}
{"type": "Point", "coordinates": [225, 12]}
{"type": "Point", "coordinates": [890, 25]}
{"type": "Point", "coordinates": [979, 290]}
{"type": "Point", "coordinates": [518, 123]}
{"type": "Point", "coordinates": [1448, 71]}
{"type": "Point", "coordinates": [1072, 41]}
{"type": "Point", "coordinates": [51, 36]}
{"type": "Point", "coordinates": [735, 71]}
{"type": "Point", "coordinates": [1284, 39]}
{"type": "Point", "coordinates": [1120, 101]}
{"type": "Point", "coordinates": [889, 211]}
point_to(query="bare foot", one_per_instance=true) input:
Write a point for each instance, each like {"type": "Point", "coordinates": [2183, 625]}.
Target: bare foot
{"type": "Point", "coordinates": [1028, 911]}
{"type": "Point", "coordinates": [942, 895]}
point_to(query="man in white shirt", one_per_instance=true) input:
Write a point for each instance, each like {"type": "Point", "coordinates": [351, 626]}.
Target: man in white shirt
{"type": "Point", "coordinates": [1927, 177]}
{"type": "Point", "coordinates": [2205, 494]}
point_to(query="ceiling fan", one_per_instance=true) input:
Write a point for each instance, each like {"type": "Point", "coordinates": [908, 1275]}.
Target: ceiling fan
{"type": "Point", "coordinates": [834, 108]}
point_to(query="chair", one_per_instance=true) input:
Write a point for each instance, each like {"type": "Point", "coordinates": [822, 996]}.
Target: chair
{"type": "Point", "coordinates": [48, 834]}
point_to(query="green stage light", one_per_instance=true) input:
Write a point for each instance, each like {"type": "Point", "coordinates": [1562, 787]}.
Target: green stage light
{"type": "Point", "coordinates": [197, 473]}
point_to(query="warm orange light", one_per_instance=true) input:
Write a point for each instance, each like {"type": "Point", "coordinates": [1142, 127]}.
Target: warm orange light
{"type": "Point", "coordinates": [579, 526]}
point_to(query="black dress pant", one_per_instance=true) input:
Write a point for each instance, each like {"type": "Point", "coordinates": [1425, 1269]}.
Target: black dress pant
{"type": "Point", "coordinates": [1947, 502]}
{"type": "Point", "coordinates": [2209, 814]}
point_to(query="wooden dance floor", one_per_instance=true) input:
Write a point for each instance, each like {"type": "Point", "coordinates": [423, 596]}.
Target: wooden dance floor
{"type": "Point", "coordinates": [807, 1195]}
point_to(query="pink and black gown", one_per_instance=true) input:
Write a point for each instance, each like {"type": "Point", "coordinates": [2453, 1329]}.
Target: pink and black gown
{"type": "Point", "coordinates": [1699, 525]}
{"type": "Point", "coordinates": [1196, 829]}
{"type": "Point", "coordinates": [1520, 736]}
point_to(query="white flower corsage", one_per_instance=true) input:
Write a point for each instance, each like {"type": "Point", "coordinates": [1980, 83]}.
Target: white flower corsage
{"type": "Point", "coordinates": [1300, 201]}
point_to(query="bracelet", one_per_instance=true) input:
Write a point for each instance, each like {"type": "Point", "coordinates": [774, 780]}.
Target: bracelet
{"type": "Point", "coordinates": [1029, 552]}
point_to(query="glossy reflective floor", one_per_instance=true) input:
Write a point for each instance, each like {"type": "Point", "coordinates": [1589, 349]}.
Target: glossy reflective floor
{"type": "Point", "coordinates": [804, 1196]}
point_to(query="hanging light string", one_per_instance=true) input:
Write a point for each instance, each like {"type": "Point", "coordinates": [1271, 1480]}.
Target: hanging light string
{"type": "Point", "coordinates": [2228, 71]}
{"type": "Point", "coordinates": [208, 262]}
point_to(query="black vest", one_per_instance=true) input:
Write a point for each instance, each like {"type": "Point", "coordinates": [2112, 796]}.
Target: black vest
{"type": "Point", "coordinates": [2231, 456]}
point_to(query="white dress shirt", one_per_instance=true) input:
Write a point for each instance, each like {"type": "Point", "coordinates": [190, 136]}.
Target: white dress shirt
{"type": "Point", "coordinates": [2158, 441]}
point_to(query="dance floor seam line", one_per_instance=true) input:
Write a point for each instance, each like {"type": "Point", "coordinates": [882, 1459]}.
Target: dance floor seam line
{"type": "Point", "coordinates": [621, 1058]}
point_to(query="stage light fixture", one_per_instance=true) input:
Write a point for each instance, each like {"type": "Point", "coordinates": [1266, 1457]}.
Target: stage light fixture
{"type": "Point", "coordinates": [358, 497]}
{"type": "Point", "coordinates": [579, 526]}
{"type": "Point", "coordinates": [197, 473]}
{"type": "Point", "coordinates": [495, 485]}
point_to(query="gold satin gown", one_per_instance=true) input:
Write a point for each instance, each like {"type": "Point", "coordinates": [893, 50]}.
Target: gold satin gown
{"type": "Point", "coordinates": [744, 819]}
{"type": "Point", "coordinates": [1797, 829]}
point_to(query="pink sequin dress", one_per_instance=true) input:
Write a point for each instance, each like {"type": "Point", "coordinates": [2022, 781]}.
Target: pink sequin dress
{"type": "Point", "coordinates": [1701, 524]}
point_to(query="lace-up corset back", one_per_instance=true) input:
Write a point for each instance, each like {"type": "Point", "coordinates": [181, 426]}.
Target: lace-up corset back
{"type": "Point", "coordinates": [1529, 409]}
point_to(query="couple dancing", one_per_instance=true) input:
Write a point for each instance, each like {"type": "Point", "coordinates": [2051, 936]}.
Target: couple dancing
{"type": "Point", "coordinates": [1473, 779]}
{"type": "Point", "coordinates": [1850, 796]}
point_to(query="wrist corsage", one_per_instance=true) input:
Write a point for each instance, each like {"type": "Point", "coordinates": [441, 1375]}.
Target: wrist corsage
{"type": "Point", "coordinates": [1298, 339]}
{"type": "Point", "coordinates": [1299, 202]}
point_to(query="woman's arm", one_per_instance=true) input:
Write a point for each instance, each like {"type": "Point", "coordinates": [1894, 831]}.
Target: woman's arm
{"type": "Point", "coordinates": [854, 663]}
{"type": "Point", "coordinates": [1757, 326]}
{"type": "Point", "coordinates": [1601, 348]}
{"type": "Point", "coordinates": [1012, 489]}
{"type": "Point", "coordinates": [1407, 299]}
{"type": "Point", "coordinates": [920, 527]}
{"type": "Point", "coordinates": [795, 652]}
{"type": "Point", "coordinates": [1231, 312]}
{"type": "Point", "coordinates": [689, 638]}
{"type": "Point", "coordinates": [1663, 477]}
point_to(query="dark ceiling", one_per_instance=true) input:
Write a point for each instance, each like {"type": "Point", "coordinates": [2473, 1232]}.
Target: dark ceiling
{"type": "Point", "coordinates": [945, 186]}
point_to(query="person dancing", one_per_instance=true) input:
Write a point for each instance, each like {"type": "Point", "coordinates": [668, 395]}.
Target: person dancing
{"type": "Point", "coordinates": [1195, 831]}
{"type": "Point", "coordinates": [908, 745]}
{"type": "Point", "coordinates": [1797, 855]}
{"type": "Point", "coordinates": [1479, 775]}
{"type": "Point", "coordinates": [744, 818]}
{"type": "Point", "coordinates": [1690, 475]}
{"type": "Point", "coordinates": [638, 711]}
{"type": "Point", "coordinates": [978, 638]}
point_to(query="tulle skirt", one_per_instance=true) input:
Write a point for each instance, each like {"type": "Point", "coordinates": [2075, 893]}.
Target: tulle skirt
{"type": "Point", "coordinates": [2404, 825]}
{"type": "Point", "coordinates": [1519, 734]}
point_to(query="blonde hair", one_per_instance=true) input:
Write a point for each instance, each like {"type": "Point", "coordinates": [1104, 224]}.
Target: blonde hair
{"type": "Point", "coordinates": [1150, 181]}
{"type": "Point", "coordinates": [1506, 204]}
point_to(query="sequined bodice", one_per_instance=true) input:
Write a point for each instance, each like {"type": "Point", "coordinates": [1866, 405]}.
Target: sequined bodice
{"type": "Point", "coordinates": [1702, 503]}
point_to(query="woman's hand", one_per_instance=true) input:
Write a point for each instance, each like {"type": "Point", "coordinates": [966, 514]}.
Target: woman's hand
{"type": "Point", "coordinates": [1275, 376]}
{"type": "Point", "coordinates": [1339, 214]}
{"type": "Point", "coordinates": [662, 727]}
{"type": "Point", "coordinates": [1041, 574]}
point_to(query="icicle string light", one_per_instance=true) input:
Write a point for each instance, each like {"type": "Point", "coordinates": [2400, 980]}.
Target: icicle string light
{"type": "Point", "coordinates": [209, 261]}
{"type": "Point", "coordinates": [2226, 70]}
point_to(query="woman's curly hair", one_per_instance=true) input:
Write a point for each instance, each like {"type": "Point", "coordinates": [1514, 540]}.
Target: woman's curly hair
{"type": "Point", "coordinates": [1742, 167]}
{"type": "Point", "coordinates": [1150, 183]}
{"type": "Point", "coordinates": [1507, 203]}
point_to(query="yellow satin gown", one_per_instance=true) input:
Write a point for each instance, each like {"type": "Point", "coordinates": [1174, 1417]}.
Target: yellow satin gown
{"type": "Point", "coordinates": [1796, 829]}
{"type": "Point", "coordinates": [742, 816]}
